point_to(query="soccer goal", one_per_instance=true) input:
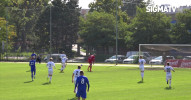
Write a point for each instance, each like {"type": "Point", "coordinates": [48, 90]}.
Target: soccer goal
{"type": "Point", "coordinates": [179, 55]}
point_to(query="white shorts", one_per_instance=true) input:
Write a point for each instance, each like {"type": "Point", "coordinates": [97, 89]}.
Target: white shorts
{"type": "Point", "coordinates": [168, 77]}
{"type": "Point", "coordinates": [50, 71]}
{"type": "Point", "coordinates": [63, 64]}
{"type": "Point", "coordinates": [75, 81]}
{"type": "Point", "coordinates": [141, 68]}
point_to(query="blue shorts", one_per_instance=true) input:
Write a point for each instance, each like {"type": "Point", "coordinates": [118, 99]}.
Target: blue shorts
{"type": "Point", "coordinates": [81, 94]}
{"type": "Point", "coordinates": [33, 70]}
{"type": "Point", "coordinates": [90, 64]}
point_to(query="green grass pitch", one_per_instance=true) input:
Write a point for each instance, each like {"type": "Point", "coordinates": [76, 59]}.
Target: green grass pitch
{"type": "Point", "coordinates": [106, 83]}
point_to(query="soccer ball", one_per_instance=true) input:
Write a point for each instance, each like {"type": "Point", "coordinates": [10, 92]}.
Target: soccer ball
{"type": "Point", "coordinates": [81, 65]}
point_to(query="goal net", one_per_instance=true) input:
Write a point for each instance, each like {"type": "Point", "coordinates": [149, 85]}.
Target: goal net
{"type": "Point", "coordinates": [179, 55]}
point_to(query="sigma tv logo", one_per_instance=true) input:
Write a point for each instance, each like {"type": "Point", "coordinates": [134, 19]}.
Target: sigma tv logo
{"type": "Point", "coordinates": [162, 8]}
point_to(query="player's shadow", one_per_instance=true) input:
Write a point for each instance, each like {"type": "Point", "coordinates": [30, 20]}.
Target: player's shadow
{"type": "Point", "coordinates": [46, 83]}
{"type": "Point", "coordinates": [140, 82]}
{"type": "Point", "coordinates": [73, 98]}
{"type": "Point", "coordinates": [28, 71]}
{"type": "Point", "coordinates": [28, 81]}
{"type": "Point", "coordinates": [168, 88]}
{"type": "Point", "coordinates": [109, 66]}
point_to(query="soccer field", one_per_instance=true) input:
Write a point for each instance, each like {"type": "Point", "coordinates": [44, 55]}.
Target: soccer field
{"type": "Point", "coordinates": [107, 82]}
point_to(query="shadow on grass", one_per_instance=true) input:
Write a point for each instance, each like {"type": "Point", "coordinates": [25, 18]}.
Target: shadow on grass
{"type": "Point", "coordinates": [140, 82]}
{"type": "Point", "coordinates": [28, 81]}
{"type": "Point", "coordinates": [110, 66]}
{"type": "Point", "coordinates": [46, 83]}
{"type": "Point", "coordinates": [88, 71]}
{"type": "Point", "coordinates": [75, 98]}
{"type": "Point", "coordinates": [28, 71]}
{"type": "Point", "coordinates": [168, 88]}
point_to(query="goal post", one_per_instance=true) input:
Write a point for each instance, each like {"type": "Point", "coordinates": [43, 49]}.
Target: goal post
{"type": "Point", "coordinates": [159, 54]}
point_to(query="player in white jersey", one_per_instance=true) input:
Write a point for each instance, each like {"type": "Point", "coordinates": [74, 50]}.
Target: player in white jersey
{"type": "Point", "coordinates": [168, 69]}
{"type": "Point", "coordinates": [75, 75]}
{"type": "Point", "coordinates": [141, 66]}
{"type": "Point", "coordinates": [63, 59]}
{"type": "Point", "coordinates": [62, 55]}
{"type": "Point", "coordinates": [63, 63]}
{"type": "Point", "coordinates": [50, 66]}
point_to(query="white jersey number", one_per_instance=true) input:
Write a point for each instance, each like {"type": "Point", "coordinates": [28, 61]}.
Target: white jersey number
{"type": "Point", "coordinates": [76, 73]}
{"type": "Point", "coordinates": [82, 81]}
{"type": "Point", "coordinates": [141, 62]}
{"type": "Point", "coordinates": [32, 63]}
{"type": "Point", "coordinates": [168, 69]}
{"type": "Point", "coordinates": [49, 65]}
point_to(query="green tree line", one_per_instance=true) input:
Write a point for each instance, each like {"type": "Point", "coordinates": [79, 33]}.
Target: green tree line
{"type": "Point", "coordinates": [40, 24]}
{"type": "Point", "coordinates": [141, 28]}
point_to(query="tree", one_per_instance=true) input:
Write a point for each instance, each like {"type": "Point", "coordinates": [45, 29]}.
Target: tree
{"type": "Point", "coordinates": [107, 6]}
{"type": "Point", "coordinates": [100, 27]}
{"type": "Point", "coordinates": [103, 9]}
{"type": "Point", "coordinates": [64, 26]}
{"type": "Point", "coordinates": [185, 17]}
{"type": "Point", "coordinates": [179, 34]}
{"type": "Point", "coordinates": [148, 28]}
{"type": "Point", "coordinates": [23, 15]}
{"type": "Point", "coordinates": [130, 7]}
{"type": "Point", "coordinates": [6, 37]}
{"type": "Point", "coordinates": [181, 30]}
{"type": "Point", "coordinates": [3, 5]}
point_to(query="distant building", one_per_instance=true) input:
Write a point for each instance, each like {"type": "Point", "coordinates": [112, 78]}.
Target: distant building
{"type": "Point", "coordinates": [127, 1]}
{"type": "Point", "coordinates": [129, 6]}
{"type": "Point", "coordinates": [178, 10]}
{"type": "Point", "coordinates": [182, 8]}
{"type": "Point", "coordinates": [84, 12]}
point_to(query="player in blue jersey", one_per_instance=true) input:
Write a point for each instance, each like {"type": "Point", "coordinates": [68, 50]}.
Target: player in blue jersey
{"type": "Point", "coordinates": [33, 55]}
{"type": "Point", "coordinates": [33, 68]}
{"type": "Point", "coordinates": [81, 84]}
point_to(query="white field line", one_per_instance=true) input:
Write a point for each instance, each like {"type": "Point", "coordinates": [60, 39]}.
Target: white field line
{"type": "Point", "coordinates": [98, 64]}
{"type": "Point", "coordinates": [120, 65]}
